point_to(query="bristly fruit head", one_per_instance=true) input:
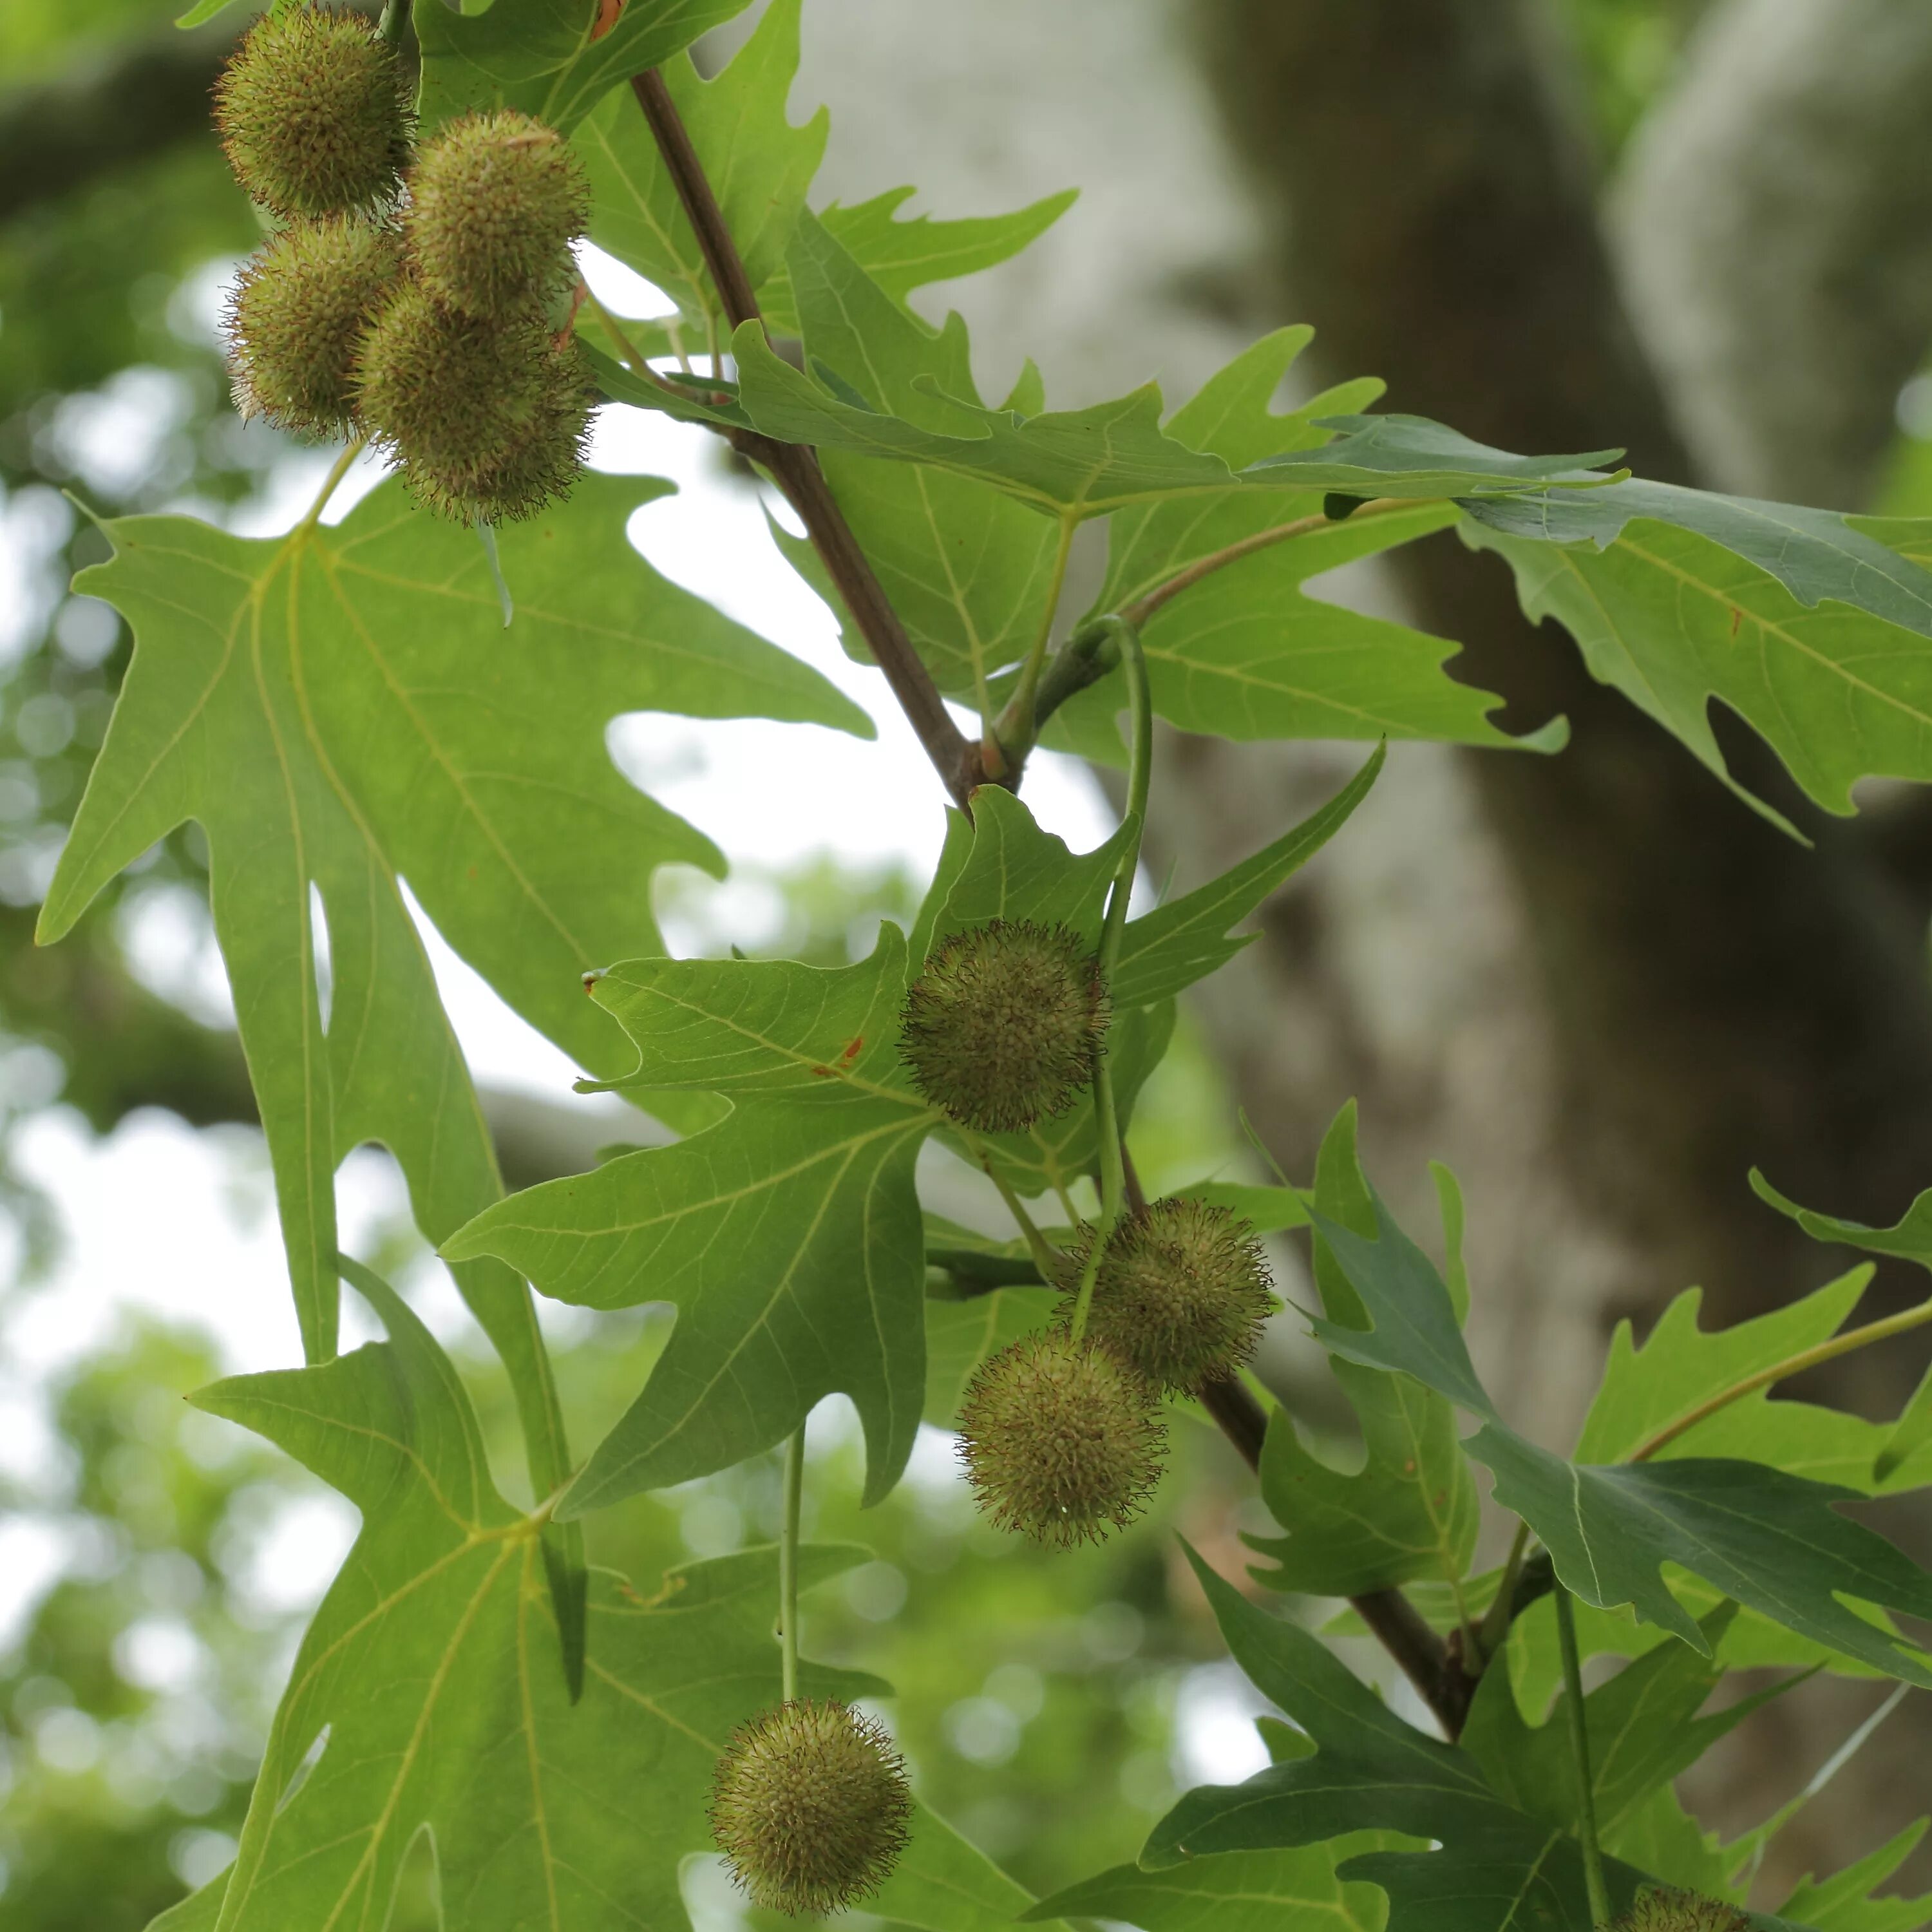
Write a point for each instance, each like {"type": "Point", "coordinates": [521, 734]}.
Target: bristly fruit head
{"type": "Point", "coordinates": [495, 201]}
{"type": "Point", "coordinates": [810, 1806]}
{"type": "Point", "coordinates": [1181, 1293]}
{"type": "Point", "coordinates": [314, 111]}
{"type": "Point", "coordinates": [489, 418]}
{"type": "Point", "coordinates": [1061, 1441]}
{"type": "Point", "coordinates": [1005, 1024]}
{"type": "Point", "coordinates": [297, 315]}
{"type": "Point", "coordinates": [1664, 1909]}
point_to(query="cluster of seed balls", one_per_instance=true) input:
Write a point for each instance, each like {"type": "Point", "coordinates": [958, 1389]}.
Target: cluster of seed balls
{"type": "Point", "coordinates": [405, 292]}
{"type": "Point", "coordinates": [1061, 1433]}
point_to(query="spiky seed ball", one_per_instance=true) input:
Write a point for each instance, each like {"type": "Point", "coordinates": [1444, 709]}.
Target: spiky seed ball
{"type": "Point", "coordinates": [1060, 1440]}
{"type": "Point", "coordinates": [1004, 1025]}
{"type": "Point", "coordinates": [488, 417]}
{"type": "Point", "coordinates": [1665, 1910]}
{"type": "Point", "coordinates": [314, 111]}
{"type": "Point", "coordinates": [495, 201]}
{"type": "Point", "coordinates": [1181, 1293]}
{"type": "Point", "coordinates": [809, 1806]}
{"type": "Point", "coordinates": [297, 314]}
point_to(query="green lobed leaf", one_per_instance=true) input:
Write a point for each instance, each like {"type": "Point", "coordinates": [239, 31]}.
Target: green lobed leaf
{"type": "Point", "coordinates": [1808, 627]}
{"type": "Point", "coordinates": [547, 58]}
{"type": "Point", "coordinates": [788, 1238]}
{"type": "Point", "coordinates": [759, 165]}
{"type": "Point", "coordinates": [1680, 1367]}
{"type": "Point", "coordinates": [1498, 1869]}
{"type": "Point", "coordinates": [1844, 1903]}
{"type": "Point", "coordinates": [1412, 1510]}
{"type": "Point", "coordinates": [1186, 939]}
{"type": "Point", "coordinates": [1239, 1891]}
{"type": "Point", "coordinates": [342, 707]}
{"type": "Point", "coordinates": [1773, 1541]}
{"type": "Point", "coordinates": [901, 255]}
{"type": "Point", "coordinates": [425, 1694]}
{"type": "Point", "coordinates": [1644, 1730]}
{"type": "Point", "coordinates": [1410, 456]}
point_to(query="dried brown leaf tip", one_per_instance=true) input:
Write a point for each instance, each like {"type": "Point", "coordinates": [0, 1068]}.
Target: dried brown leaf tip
{"type": "Point", "coordinates": [1005, 1024]}
{"type": "Point", "coordinates": [810, 1806]}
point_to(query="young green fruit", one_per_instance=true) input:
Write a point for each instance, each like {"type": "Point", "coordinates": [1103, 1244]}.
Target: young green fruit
{"type": "Point", "coordinates": [489, 418]}
{"type": "Point", "coordinates": [1665, 1910]}
{"type": "Point", "coordinates": [495, 201]}
{"type": "Point", "coordinates": [297, 315]}
{"type": "Point", "coordinates": [1059, 1441]}
{"type": "Point", "coordinates": [809, 1806]}
{"type": "Point", "coordinates": [314, 111]}
{"type": "Point", "coordinates": [1181, 1295]}
{"type": "Point", "coordinates": [1005, 1024]}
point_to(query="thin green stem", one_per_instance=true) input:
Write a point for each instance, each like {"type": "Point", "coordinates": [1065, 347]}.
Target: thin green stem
{"type": "Point", "coordinates": [1044, 1256]}
{"type": "Point", "coordinates": [1496, 1620]}
{"type": "Point", "coordinates": [1594, 1882]}
{"type": "Point", "coordinates": [794, 1500]}
{"type": "Point", "coordinates": [1016, 727]}
{"type": "Point", "coordinates": [329, 483]}
{"type": "Point", "coordinates": [1113, 927]}
{"type": "Point", "coordinates": [1792, 1365]}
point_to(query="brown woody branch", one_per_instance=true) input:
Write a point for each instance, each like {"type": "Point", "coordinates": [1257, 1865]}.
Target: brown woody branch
{"type": "Point", "coordinates": [796, 469]}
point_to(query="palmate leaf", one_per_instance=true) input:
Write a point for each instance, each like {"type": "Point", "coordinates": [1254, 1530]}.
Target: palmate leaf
{"type": "Point", "coordinates": [788, 1235]}
{"type": "Point", "coordinates": [903, 254]}
{"type": "Point", "coordinates": [340, 708]}
{"type": "Point", "coordinates": [1773, 1541]}
{"type": "Point", "coordinates": [1499, 1869]}
{"type": "Point", "coordinates": [1112, 456]}
{"type": "Point", "coordinates": [1412, 1510]}
{"type": "Point", "coordinates": [1240, 1891]}
{"type": "Point", "coordinates": [426, 1697]}
{"type": "Point", "coordinates": [1803, 622]}
{"type": "Point", "coordinates": [1644, 1728]}
{"type": "Point", "coordinates": [1245, 653]}
{"type": "Point", "coordinates": [547, 58]}
{"type": "Point", "coordinates": [760, 166]}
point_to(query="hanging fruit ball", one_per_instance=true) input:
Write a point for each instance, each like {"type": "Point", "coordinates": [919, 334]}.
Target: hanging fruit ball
{"type": "Point", "coordinates": [810, 1806]}
{"type": "Point", "coordinates": [495, 201]}
{"type": "Point", "coordinates": [1665, 1910]}
{"type": "Point", "coordinates": [489, 418]}
{"type": "Point", "coordinates": [1061, 1441]}
{"type": "Point", "coordinates": [314, 111]}
{"type": "Point", "coordinates": [1004, 1026]}
{"type": "Point", "coordinates": [297, 315]}
{"type": "Point", "coordinates": [1181, 1293]}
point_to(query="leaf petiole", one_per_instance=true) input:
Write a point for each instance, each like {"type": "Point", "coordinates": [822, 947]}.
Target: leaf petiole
{"type": "Point", "coordinates": [1593, 1882]}
{"type": "Point", "coordinates": [1114, 925]}
{"type": "Point", "coordinates": [794, 1498]}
